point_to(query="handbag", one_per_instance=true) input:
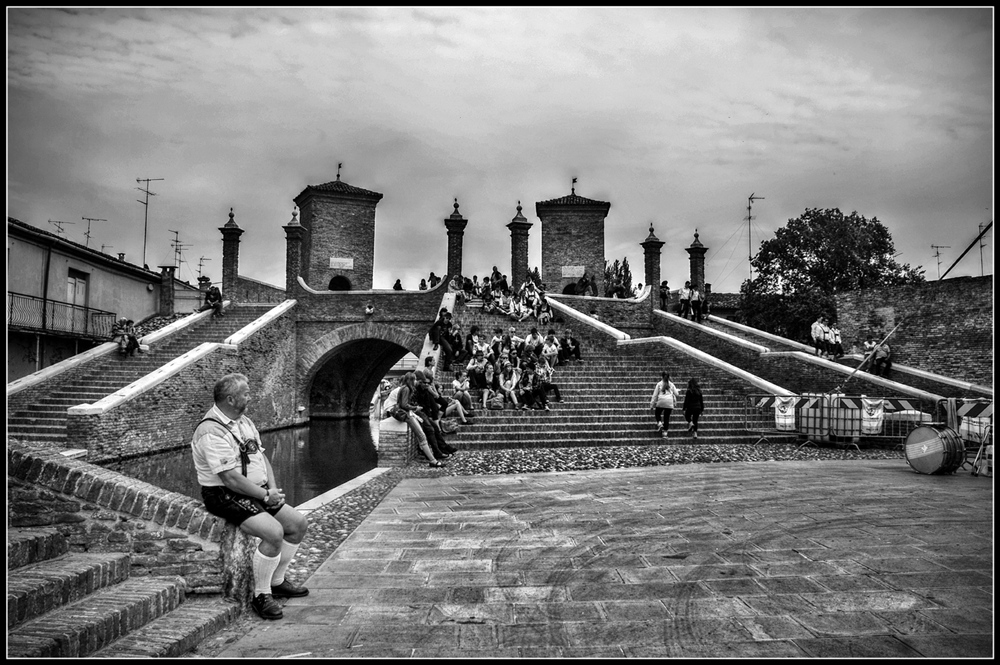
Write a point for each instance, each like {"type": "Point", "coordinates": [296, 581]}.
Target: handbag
{"type": "Point", "coordinates": [399, 414]}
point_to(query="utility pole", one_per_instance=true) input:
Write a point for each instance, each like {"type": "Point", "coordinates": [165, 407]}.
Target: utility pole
{"type": "Point", "coordinates": [89, 220]}
{"type": "Point", "coordinates": [750, 201]}
{"type": "Point", "coordinates": [937, 254]}
{"type": "Point", "coordinates": [145, 223]}
{"type": "Point", "coordinates": [201, 262]}
{"type": "Point", "coordinates": [59, 229]}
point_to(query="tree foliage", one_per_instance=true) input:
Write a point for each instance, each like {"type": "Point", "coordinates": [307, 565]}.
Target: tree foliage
{"type": "Point", "coordinates": [616, 272]}
{"type": "Point", "coordinates": [812, 258]}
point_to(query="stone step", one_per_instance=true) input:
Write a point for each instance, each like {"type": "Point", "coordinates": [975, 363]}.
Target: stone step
{"type": "Point", "coordinates": [581, 435]}
{"type": "Point", "coordinates": [646, 439]}
{"type": "Point", "coordinates": [28, 546]}
{"type": "Point", "coordinates": [41, 587]}
{"type": "Point", "coordinates": [177, 632]}
{"type": "Point", "coordinates": [82, 628]}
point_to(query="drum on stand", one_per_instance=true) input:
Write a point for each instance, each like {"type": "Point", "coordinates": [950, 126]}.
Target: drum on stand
{"type": "Point", "coordinates": [934, 449]}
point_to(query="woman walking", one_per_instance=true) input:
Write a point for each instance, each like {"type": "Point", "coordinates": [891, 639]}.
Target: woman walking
{"type": "Point", "coordinates": [694, 404]}
{"type": "Point", "coordinates": [664, 398]}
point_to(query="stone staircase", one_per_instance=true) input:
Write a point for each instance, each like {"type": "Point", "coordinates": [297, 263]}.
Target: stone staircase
{"type": "Point", "coordinates": [605, 398]}
{"type": "Point", "coordinates": [42, 419]}
{"type": "Point", "coordinates": [63, 604]}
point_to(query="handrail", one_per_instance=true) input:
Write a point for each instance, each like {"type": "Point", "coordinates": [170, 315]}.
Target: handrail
{"type": "Point", "coordinates": [179, 324]}
{"type": "Point", "coordinates": [46, 373]}
{"type": "Point", "coordinates": [674, 318]}
{"type": "Point", "coordinates": [763, 384]}
{"type": "Point", "coordinates": [272, 314]}
{"type": "Point", "coordinates": [587, 320]}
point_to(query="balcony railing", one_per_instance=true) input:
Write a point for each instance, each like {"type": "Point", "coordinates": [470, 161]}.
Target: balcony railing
{"type": "Point", "coordinates": [34, 314]}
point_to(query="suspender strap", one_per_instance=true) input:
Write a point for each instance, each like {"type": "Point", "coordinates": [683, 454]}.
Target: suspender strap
{"type": "Point", "coordinates": [244, 455]}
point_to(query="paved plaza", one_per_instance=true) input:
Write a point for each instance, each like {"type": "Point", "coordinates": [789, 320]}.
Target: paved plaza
{"type": "Point", "coordinates": [847, 559]}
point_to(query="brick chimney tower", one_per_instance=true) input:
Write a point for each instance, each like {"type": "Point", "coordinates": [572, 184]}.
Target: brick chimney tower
{"type": "Point", "coordinates": [294, 233]}
{"type": "Point", "coordinates": [519, 227]}
{"type": "Point", "coordinates": [572, 240]}
{"type": "Point", "coordinates": [651, 247]}
{"type": "Point", "coordinates": [455, 224]}
{"type": "Point", "coordinates": [230, 256]}
{"type": "Point", "coordinates": [696, 252]}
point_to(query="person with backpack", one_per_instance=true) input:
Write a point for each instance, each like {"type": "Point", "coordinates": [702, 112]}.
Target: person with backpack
{"type": "Point", "coordinates": [694, 404]}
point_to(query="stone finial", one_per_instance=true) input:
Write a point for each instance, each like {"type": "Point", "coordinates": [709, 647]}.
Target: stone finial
{"type": "Point", "coordinates": [232, 220]}
{"type": "Point", "coordinates": [295, 217]}
{"type": "Point", "coordinates": [651, 236]}
{"type": "Point", "coordinates": [573, 186]}
{"type": "Point", "coordinates": [696, 243]}
{"type": "Point", "coordinates": [339, 164]}
{"type": "Point", "coordinates": [519, 217]}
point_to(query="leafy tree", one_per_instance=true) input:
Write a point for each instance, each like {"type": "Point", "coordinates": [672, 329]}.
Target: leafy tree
{"type": "Point", "coordinates": [618, 272]}
{"type": "Point", "coordinates": [535, 276]}
{"type": "Point", "coordinates": [812, 258]}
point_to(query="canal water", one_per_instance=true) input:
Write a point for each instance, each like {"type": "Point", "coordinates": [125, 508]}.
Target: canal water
{"type": "Point", "coordinates": [307, 460]}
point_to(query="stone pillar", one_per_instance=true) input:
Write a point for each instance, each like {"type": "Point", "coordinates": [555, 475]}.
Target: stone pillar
{"type": "Point", "coordinates": [167, 290]}
{"type": "Point", "coordinates": [696, 252]}
{"type": "Point", "coordinates": [456, 233]}
{"type": "Point", "coordinates": [651, 247]}
{"type": "Point", "coordinates": [519, 227]}
{"type": "Point", "coordinates": [230, 256]}
{"type": "Point", "coordinates": [293, 254]}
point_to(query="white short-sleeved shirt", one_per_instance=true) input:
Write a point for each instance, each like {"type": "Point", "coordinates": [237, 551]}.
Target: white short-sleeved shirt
{"type": "Point", "coordinates": [215, 451]}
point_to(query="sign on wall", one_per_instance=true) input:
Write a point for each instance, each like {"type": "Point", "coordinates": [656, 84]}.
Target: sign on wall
{"type": "Point", "coordinates": [573, 271]}
{"type": "Point", "coordinates": [341, 264]}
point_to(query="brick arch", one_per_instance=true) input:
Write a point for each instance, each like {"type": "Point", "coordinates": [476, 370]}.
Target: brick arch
{"type": "Point", "coordinates": [340, 370]}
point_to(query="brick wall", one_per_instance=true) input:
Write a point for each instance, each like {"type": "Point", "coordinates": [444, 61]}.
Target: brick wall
{"type": "Point", "coordinates": [572, 236]}
{"type": "Point", "coordinates": [165, 416]}
{"type": "Point", "coordinates": [98, 510]}
{"type": "Point", "coordinates": [251, 291]}
{"type": "Point", "coordinates": [947, 325]}
{"type": "Point", "coordinates": [629, 317]}
{"type": "Point", "coordinates": [339, 227]}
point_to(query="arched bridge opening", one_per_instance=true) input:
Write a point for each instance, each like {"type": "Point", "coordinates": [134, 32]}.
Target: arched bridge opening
{"type": "Point", "coordinates": [347, 365]}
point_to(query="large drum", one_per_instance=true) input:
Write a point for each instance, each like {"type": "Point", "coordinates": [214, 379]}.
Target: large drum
{"type": "Point", "coordinates": [934, 449]}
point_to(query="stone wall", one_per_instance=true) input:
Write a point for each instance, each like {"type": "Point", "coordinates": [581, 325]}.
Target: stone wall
{"type": "Point", "coordinates": [97, 510]}
{"type": "Point", "coordinates": [251, 291]}
{"type": "Point", "coordinates": [627, 316]}
{"type": "Point", "coordinates": [947, 326]}
{"type": "Point", "coordinates": [164, 416]}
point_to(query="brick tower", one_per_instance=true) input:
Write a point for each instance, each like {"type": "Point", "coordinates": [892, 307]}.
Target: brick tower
{"type": "Point", "coordinates": [231, 233]}
{"type": "Point", "coordinates": [651, 247]}
{"type": "Point", "coordinates": [294, 233]}
{"type": "Point", "coordinates": [455, 224]}
{"type": "Point", "coordinates": [338, 246]}
{"type": "Point", "coordinates": [519, 227]}
{"type": "Point", "coordinates": [696, 252]}
{"type": "Point", "coordinates": [572, 240]}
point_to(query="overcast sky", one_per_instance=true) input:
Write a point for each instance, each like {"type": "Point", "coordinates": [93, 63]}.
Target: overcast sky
{"type": "Point", "coordinates": [674, 116]}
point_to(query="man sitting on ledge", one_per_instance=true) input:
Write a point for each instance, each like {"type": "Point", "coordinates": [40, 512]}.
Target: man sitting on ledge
{"type": "Point", "coordinates": [238, 484]}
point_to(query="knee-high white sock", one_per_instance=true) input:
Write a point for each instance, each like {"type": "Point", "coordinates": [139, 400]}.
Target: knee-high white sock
{"type": "Point", "coordinates": [288, 551]}
{"type": "Point", "coordinates": [263, 570]}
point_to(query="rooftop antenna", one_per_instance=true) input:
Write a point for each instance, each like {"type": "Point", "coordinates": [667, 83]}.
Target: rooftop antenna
{"type": "Point", "coordinates": [89, 220]}
{"type": "Point", "coordinates": [103, 247]}
{"type": "Point", "coordinates": [178, 248]}
{"type": "Point", "coordinates": [145, 223]}
{"type": "Point", "coordinates": [750, 199]}
{"type": "Point", "coordinates": [58, 225]}
{"type": "Point", "coordinates": [978, 238]}
{"type": "Point", "coordinates": [201, 262]}
{"type": "Point", "coordinates": [937, 254]}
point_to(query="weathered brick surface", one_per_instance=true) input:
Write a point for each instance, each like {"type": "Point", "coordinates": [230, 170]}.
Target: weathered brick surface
{"type": "Point", "coordinates": [395, 448]}
{"type": "Point", "coordinates": [946, 325]}
{"type": "Point", "coordinates": [572, 235]}
{"type": "Point", "coordinates": [25, 546]}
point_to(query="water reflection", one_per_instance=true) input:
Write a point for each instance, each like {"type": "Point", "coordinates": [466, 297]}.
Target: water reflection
{"type": "Point", "coordinates": [307, 460]}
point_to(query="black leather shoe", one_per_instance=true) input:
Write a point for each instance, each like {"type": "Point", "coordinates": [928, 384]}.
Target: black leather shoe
{"type": "Point", "coordinates": [288, 590]}
{"type": "Point", "coordinates": [265, 605]}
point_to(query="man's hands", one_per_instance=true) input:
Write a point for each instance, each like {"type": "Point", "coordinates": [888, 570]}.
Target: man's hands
{"type": "Point", "coordinates": [275, 498]}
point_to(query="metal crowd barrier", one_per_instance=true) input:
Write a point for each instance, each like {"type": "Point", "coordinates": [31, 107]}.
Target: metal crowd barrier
{"type": "Point", "coordinates": [842, 420]}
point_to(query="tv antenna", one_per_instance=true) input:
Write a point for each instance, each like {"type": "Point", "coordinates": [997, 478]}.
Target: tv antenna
{"type": "Point", "coordinates": [89, 220]}
{"type": "Point", "coordinates": [178, 248]}
{"type": "Point", "coordinates": [750, 199]}
{"type": "Point", "coordinates": [145, 223]}
{"type": "Point", "coordinates": [103, 247]}
{"type": "Point", "coordinates": [201, 262]}
{"type": "Point", "coordinates": [937, 254]}
{"type": "Point", "coordinates": [59, 228]}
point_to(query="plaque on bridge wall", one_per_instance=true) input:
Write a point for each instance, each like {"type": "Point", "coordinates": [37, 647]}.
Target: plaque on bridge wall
{"type": "Point", "coordinates": [341, 264]}
{"type": "Point", "coordinates": [575, 272]}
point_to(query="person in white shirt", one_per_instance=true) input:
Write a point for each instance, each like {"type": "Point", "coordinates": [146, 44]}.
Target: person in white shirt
{"type": "Point", "coordinates": [685, 298]}
{"type": "Point", "coordinates": [239, 485]}
{"type": "Point", "coordinates": [662, 403]}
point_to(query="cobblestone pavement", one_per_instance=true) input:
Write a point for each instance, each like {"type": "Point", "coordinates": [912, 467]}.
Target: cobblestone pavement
{"type": "Point", "coordinates": [850, 559]}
